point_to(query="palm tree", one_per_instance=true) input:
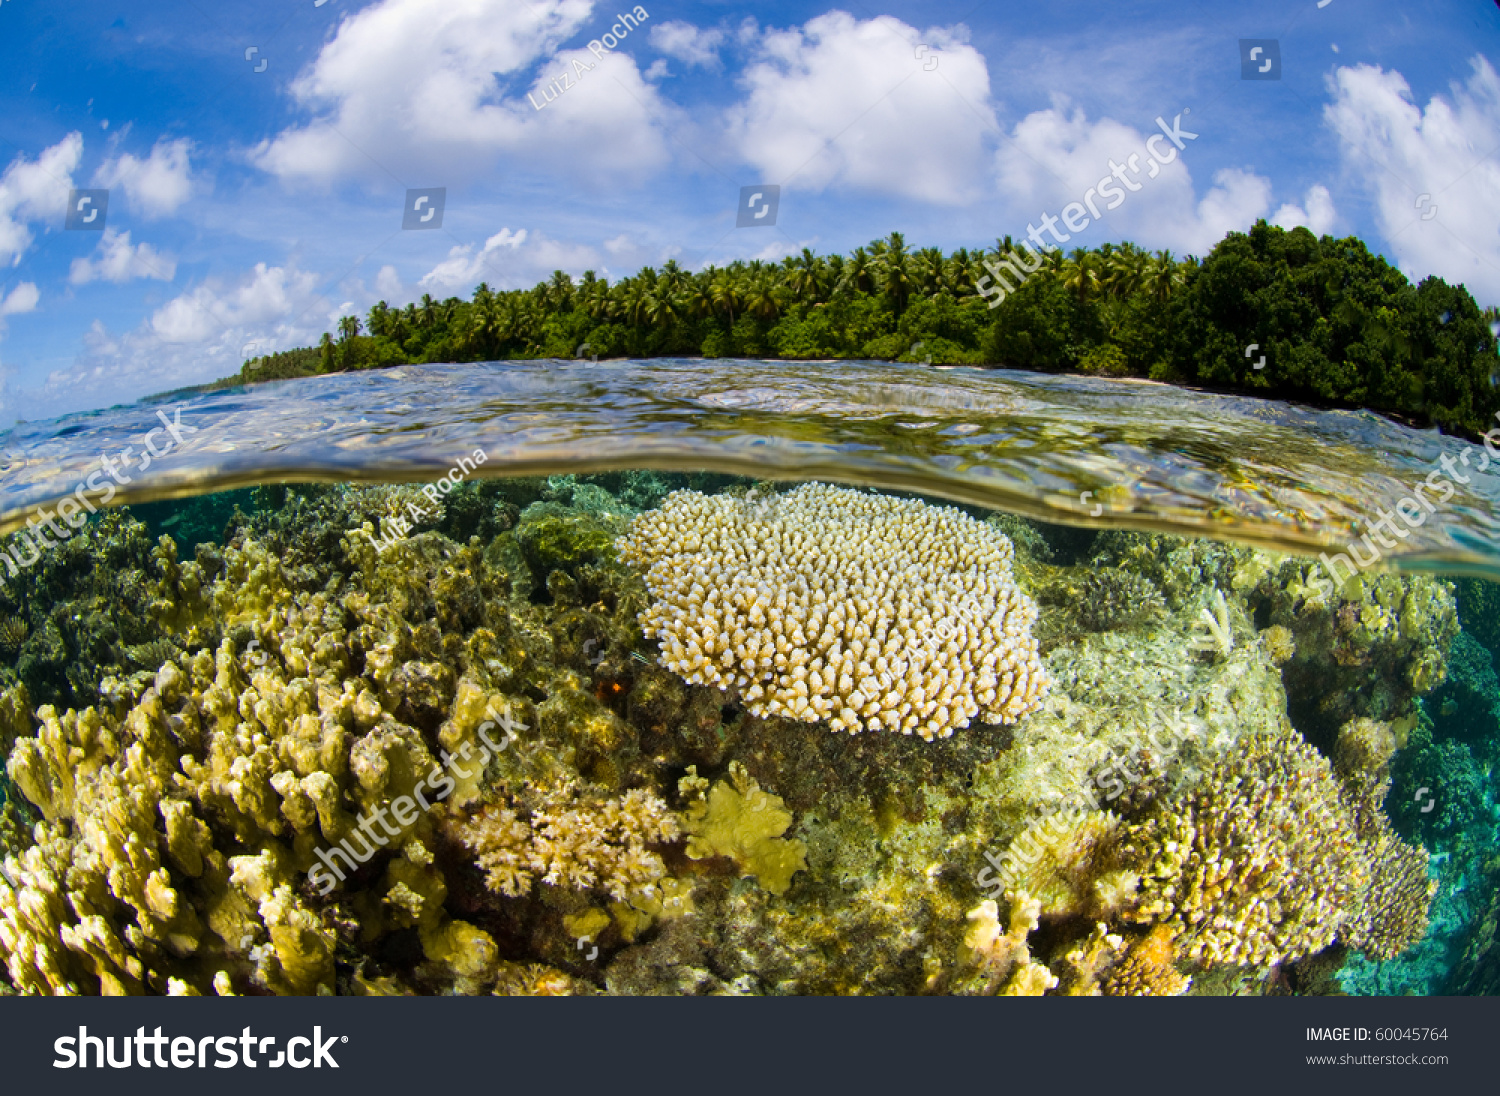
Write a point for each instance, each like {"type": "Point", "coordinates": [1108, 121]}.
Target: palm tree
{"type": "Point", "coordinates": [802, 275]}
{"type": "Point", "coordinates": [560, 292]}
{"type": "Point", "coordinates": [895, 272]}
{"type": "Point", "coordinates": [724, 291]}
{"type": "Point", "coordinates": [635, 301]}
{"type": "Point", "coordinates": [1081, 275]}
{"type": "Point", "coordinates": [763, 297]}
{"type": "Point", "coordinates": [1162, 276]}
{"type": "Point", "coordinates": [663, 309]}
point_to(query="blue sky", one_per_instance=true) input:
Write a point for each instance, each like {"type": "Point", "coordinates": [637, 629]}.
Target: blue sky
{"type": "Point", "coordinates": [254, 201]}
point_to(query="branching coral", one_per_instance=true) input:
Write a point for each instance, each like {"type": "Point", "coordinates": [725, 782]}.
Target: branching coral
{"type": "Point", "coordinates": [574, 842]}
{"type": "Point", "coordinates": [865, 610]}
{"type": "Point", "coordinates": [996, 960]}
{"type": "Point", "coordinates": [1117, 598]}
{"type": "Point", "coordinates": [1146, 970]}
{"type": "Point", "coordinates": [1268, 858]}
{"type": "Point", "coordinates": [176, 831]}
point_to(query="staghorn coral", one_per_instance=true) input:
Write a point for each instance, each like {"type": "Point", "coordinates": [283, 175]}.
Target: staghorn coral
{"type": "Point", "coordinates": [574, 842]}
{"type": "Point", "coordinates": [739, 819]}
{"type": "Point", "coordinates": [1268, 859]}
{"type": "Point", "coordinates": [864, 610]}
{"type": "Point", "coordinates": [1115, 599]}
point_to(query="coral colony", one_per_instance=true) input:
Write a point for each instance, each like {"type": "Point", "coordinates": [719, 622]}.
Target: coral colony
{"type": "Point", "coordinates": [278, 767]}
{"type": "Point", "coordinates": [815, 611]}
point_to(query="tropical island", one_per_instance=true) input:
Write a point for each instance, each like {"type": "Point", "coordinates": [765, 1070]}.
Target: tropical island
{"type": "Point", "coordinates": [1276, 313]}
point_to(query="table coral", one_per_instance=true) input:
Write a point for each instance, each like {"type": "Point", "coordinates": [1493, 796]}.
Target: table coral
{"type": "Point", "coordinates": [829, 604]}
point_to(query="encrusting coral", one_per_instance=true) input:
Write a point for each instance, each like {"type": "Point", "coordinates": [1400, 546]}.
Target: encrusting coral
{"type": "Point", "coordinates": [863, 610]}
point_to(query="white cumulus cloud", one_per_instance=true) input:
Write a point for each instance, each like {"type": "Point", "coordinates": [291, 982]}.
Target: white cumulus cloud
{"type": "Point", "coordinates": [35, 190]}
{"type": "Point", "coordinates": [1316, 212]}
{"type": "Point", "coordinates": [687, 43]}
{"type": "Point", "coordinates": [843, 102]}
{"type": "Point", "coordinates": [426, 89]}
{"type": "Point", "coordinates": [1055, 156]}
{"type": "Point", "coordinates": [118, 261]}
{"type": "Point", "coordinates": [1417, 159]}
{"type": "Point", "coordinates": [156, 186]}
{"type": "Point", "coordinates": [23, 298]}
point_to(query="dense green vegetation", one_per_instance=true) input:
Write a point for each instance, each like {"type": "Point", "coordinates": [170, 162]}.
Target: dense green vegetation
{"type": "Point", "coordinates": [1336, 325]}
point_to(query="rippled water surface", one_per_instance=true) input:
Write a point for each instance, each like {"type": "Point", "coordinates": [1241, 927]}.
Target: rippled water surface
{"type": "Point", "coordinates": [1066, 449]}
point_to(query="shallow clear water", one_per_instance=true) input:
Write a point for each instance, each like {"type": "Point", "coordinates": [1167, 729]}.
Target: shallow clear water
{"type": "Point", "coordinates": [319, 592]}
{"type": "Point", "coordinates": [1147, 456]}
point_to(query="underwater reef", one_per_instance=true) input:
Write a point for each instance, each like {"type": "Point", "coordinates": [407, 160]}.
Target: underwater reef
{"type": "Point", "coordinates": [486, 758]}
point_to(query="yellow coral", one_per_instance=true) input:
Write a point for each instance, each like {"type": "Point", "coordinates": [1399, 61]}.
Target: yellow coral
{"type": "Point", "coordinates": [574, 842]}
{"type": "Point", "coordinates": [1279, 643]}
{"type": "Point", "coordinates": [998, 961]}
{"type": "Point", "coordinates": [1146, 969]}
{"type": "Point", "coordinates": [1268, 858]}
{"type": "Point", "coordinates": [741, 820]}
{"type": "Point", "coordinates": [1066, 862]}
